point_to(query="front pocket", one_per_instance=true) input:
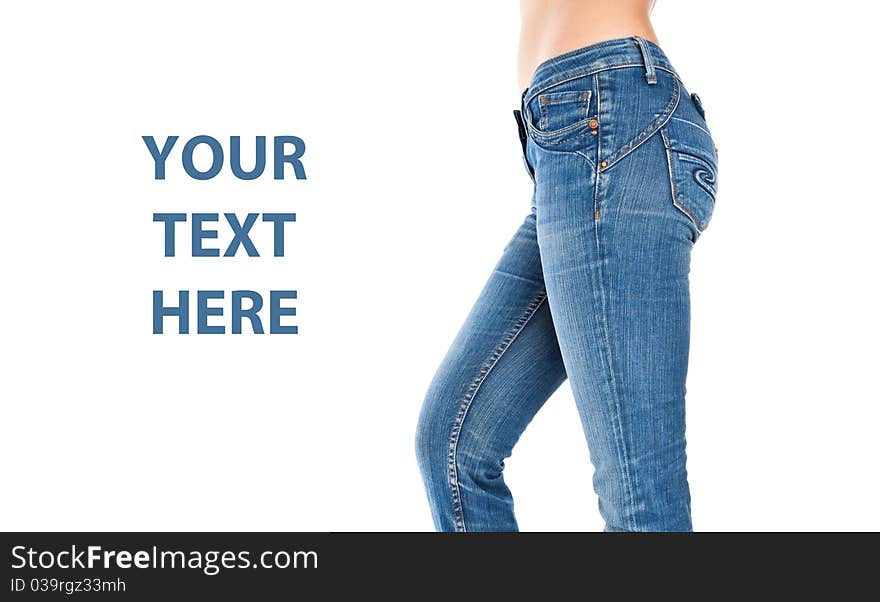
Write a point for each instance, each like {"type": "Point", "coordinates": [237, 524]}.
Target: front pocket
{"type": "Point", "coordinates": [693, 171]}
{"type": "Point", "coordinates": [560, 119]}
{"type": "Point", "coordinates": [561, 112]}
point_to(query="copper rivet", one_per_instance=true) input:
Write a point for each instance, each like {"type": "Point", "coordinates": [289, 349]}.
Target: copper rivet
{"type": "Point", "coordinates": [594, 124]}
{"type": "Point", "coordinates": [594, 132]}
{"type": "Point", "coordinates": [604, 163]}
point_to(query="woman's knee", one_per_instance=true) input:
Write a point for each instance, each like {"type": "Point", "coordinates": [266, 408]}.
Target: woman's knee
{"type": "Point", "coordinates": [451, 451]}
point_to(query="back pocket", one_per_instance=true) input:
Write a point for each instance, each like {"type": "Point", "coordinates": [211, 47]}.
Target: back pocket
{"type": "Point", "coordinates": [693, 170]}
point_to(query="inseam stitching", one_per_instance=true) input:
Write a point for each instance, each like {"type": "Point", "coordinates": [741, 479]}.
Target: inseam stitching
{"type": "Point", "coordinates": [468, 399]}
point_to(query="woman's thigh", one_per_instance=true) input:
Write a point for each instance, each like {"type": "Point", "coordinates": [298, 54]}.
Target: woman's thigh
{"type": "Point", "coordinates": [502, 366]}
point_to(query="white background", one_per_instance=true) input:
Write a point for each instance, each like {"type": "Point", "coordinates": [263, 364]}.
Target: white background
{"type": "Point", "coordinates": [415, 184]}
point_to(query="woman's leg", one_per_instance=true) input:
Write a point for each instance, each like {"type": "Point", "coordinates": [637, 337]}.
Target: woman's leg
{"type": "Point", "coordinates": [624, 181]}
{"type": "Point", "coordinates": [501, 368]}
{"type": "Point", "coordinates": [618, 289]}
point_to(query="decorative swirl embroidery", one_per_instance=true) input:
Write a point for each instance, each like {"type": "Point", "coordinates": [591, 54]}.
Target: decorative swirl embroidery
{"type": "Point", "coordinates": [702, 172]}
{"type": "Point", "coordinates": [706, 180]}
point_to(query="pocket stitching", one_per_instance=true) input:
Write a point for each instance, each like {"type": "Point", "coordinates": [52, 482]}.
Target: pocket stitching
{"type": "Point", "coordinates": [586, 97]}
{"type": "Point", "coordinates": [674, 188]}
{"type": "Point", "coordinates": [649, 130]}
{"type": "Point", "coordinates": [707, 165]}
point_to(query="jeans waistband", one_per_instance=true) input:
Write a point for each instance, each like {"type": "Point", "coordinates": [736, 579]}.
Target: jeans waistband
{"type": "Point", "coordinates": [610, 54]}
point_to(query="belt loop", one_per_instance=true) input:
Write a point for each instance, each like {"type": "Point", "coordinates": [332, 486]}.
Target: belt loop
{"type": "Point", "coordinates": [646, 57]}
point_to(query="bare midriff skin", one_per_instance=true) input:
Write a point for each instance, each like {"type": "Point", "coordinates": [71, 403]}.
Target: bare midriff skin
{"type": "Point", "coordinates": [553, 27]}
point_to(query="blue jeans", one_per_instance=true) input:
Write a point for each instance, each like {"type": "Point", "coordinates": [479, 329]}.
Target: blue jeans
{"type": "Point", "coordinates": [593, 287]}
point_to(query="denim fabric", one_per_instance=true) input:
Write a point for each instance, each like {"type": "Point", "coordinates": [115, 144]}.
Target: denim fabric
{"type": "Point", "coordinates": [593, 287]}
